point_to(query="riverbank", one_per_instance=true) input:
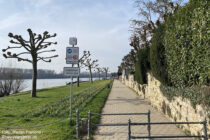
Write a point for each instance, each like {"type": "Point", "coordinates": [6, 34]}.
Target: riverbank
{"type": "Point", "coordinates": [51, 104]}
{"type": "Point", "coordinates": [46, 83]}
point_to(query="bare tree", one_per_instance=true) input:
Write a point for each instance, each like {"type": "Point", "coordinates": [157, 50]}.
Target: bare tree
{"type": "Point", "coordinates": [99, 70]}
{"type": "Point", "coordinates": [90, 64]}
{"type": "Point", "coordinates": [34, 47]}
{"type": "Point", "coordinates": [106, 69]}
{"type": "Point", "coordinates": [85, 56]}
{"type": "Point", "coordinates": [6, 82]}
{"type": "Point", "coordinates": [18, 84]}
{"type": "Point", "coordinates": [10, 82]}
{"type": "Point", "coordinates": [144, 28]}
{"type": "Point", "coordinates": [148, 8]}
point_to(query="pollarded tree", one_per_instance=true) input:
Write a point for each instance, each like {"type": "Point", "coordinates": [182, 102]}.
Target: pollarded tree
{"type": "Point", "coordinates": [36, 45]}
{"type": "Point", "coordinates": [91, 64]}
{"type": "Point", "coordinates": [85, 56]}
{"type": "Point", "coordinates": [106, 69]}
{"type": "Point", "coordinates": [99, 70]}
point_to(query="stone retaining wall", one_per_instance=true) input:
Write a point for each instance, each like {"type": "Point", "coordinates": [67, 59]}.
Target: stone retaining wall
{"type": "Point", "coordinates": [178, 109]}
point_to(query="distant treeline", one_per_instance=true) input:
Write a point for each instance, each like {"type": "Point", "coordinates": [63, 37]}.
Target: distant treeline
{"type": "Point", "coordinates": [44, 74]}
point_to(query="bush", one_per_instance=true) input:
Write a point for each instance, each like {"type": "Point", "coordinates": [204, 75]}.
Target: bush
{"type": "Point", "coordinates": [157, 55]}
{"type": "Point", "coordinates": [142, 65]}
{"type": "Point", "coordinates": [11, 82]}
{"type": "Point", "coordinates": [132, 72]}
{"type": "Point", "coordinates": [187, 45]}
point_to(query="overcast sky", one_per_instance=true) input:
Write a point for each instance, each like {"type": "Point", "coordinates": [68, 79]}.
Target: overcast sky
{"type": "Point", "coordinates": [101, 26]}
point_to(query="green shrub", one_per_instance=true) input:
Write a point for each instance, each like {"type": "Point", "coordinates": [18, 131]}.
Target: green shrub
{"type": "Point", "coordinates": [196, 94]}
{"type": "Point", "coordinates": [131, 72]}
{"type": "Point", "coordinates": [142, 65]}
{"type": "Point", "coordinates": [157, 55]}
{"type": "Point", "coordinates": [186, 44]}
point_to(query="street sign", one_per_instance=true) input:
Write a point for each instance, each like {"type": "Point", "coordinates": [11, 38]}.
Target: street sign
{"type": "Point", "coordinates": [73, 41]}
{"type": "Point", "coordinates": [72, 55]}
{"type": "Point", "coordinates": [71, 71]}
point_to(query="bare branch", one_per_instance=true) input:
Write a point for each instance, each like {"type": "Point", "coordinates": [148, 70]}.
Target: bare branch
{"type": "Point", "coordinates": [15, 56]}
{"type": "Point", "coordinates": [13, 42]}
{"type": "Point", "coordinates": [4, 50]}
{"type": "Point", "coordinates": [44, 58]}
{"type": "Point", "coordinates": [85, 56]}
{"type": "Point", "coordinates": [37, 39]}
{"type": "Point", "coordinates": [31, 39]}
{"type": "Point", "coordinates": [21, 53]}
{"type": "Point", "coordinates": [22, 42]}
{"type": "Point", "coordinates": [46, 51]}
{"type": "Point", "coordinates": [42, 44]}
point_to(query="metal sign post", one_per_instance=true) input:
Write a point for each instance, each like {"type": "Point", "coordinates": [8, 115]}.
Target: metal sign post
{"type": "Point", "coordinates": [71, 97]}
{"type": "Point", "coordinates": [72, 72]}
{"type": "Point", "coordinates": [72, 57]}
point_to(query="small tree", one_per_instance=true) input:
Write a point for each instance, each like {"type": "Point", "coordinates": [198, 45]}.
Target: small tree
{"type": "Point", "coordinates": [6, 81]}
{"type": "Point", "coordinates": [34, 47]}
{"type": "Point", "coordinates": [99, 70]}
{"type": "Point", "coordinates": [85, 56]}
{"type": "Point", "coordinates": [106, 69]}
{"type": "Point", "coordinates": [119, 71]}
{"type": "Point", "coordinates": [11, 81]}
{"type": "Point", "coordinates": [90, 64]}
{"type": "Point", "coordinates": [128, 61]}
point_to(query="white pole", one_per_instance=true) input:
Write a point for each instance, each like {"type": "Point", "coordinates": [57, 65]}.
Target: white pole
{"type": "Point", "coordinates": [71, 86]}
{"type": "Point", "coordinates": [71, 93]}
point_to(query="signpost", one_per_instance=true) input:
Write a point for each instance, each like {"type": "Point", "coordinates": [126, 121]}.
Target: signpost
{"type": "Point", "coordinates": [73, 41]}
{"type": "Point", "coordinates": [71, 71]}
{"type": "Point", "coordinates": [72, 57]}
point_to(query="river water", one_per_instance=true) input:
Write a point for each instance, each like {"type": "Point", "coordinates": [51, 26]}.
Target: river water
{"type": "Point", "coordinates": [46, 83]}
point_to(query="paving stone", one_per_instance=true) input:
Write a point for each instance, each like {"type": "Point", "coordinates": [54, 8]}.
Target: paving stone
{"type": "Point", "coordinates": [124, 100]}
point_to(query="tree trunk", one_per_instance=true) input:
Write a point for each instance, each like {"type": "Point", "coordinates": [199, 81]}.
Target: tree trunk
{"type": "Point", "coordinates": [99, 76]}
{"type": "Point", "coordinates": [106, 75]}
{"type": "Point", "coordinates": [91, 77]}
{"type": "Point", "coordinates": [78, 81]}
{"type": "Point", "coordinates": [33, 91]}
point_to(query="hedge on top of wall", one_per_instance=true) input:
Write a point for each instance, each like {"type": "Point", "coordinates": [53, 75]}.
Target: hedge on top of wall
{"type": "Point", "coordinates": [187, 47]}
{"type": "Point", "coordinates": [142, 65]}
{"type": "Point", "coordinates": [157, 55]}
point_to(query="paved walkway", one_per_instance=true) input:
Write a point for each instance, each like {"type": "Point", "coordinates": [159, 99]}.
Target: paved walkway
{"type": "Point", "coordinates": [124, 100]}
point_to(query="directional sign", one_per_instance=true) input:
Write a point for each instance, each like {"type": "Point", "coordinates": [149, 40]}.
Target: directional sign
{"type": "Point", "coordinates": [72, 55]}
{"type": "Point", "coordinates": [71, 71]}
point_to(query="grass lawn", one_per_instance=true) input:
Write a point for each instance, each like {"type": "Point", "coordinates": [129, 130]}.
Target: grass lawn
{"type": "Point", "coordinates": [50, 105]}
